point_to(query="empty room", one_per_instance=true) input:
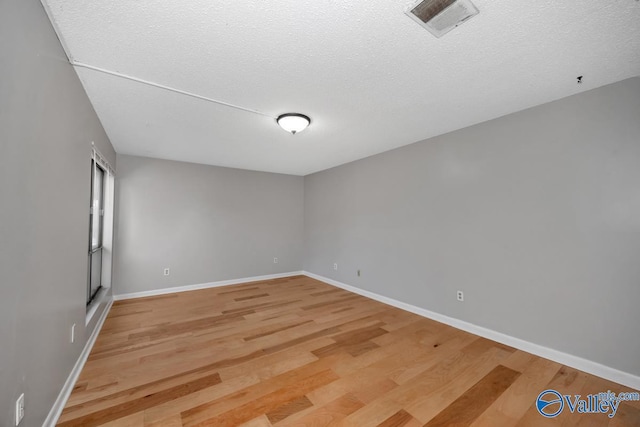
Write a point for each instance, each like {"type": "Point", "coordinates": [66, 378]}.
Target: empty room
{"type": "Point", "coordinates": [340, 213]}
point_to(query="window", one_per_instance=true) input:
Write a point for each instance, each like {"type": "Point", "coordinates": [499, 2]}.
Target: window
{"type": "Point", "coordinates": [100, 227]}
{"type": "Point", "coordinates": [96, 226]}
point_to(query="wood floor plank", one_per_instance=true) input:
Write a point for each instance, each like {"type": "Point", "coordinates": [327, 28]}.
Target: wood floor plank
{"type": "Point", "coordinates": [171, 421]}
{"type": "Point", "coordinates": [330, 414]}
{"type": "Point", "coordinates": [261, 421]}
{"type": "Point", "coordinates": [474, 401]}
{"type": "Point", "coordinates": [297, 352]}
{"type": "Point", "coordinates": [202, 397]}
{"type": "Point", "coordinates": [435, 389]}
{"type": "Point", "coordinates": [399, 419]}
{"type": "Point", "coordinates": [289, 408]}
{"type": "Point", "coordinates": [267, 404]}
{"type": "Point", "coordinates": [140, 404]}
{"type": "Point", "coordinates": [293, 378]}
{"type": "Point", "coordinates": [511, 406]}
{"type": "Point", "coordinates": [627, 415]}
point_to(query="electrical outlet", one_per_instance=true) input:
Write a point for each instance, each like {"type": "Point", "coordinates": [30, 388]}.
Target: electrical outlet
{"type": "Point", "coordinates": [275, 260]}
{"type": "Point", "coordinates": [460, 296]}
{"type": "Point", "coordinates": [166, 271]}
{"type": "Point", "coordinates": [73, 333]}
{"type": "Point", "coordinates": [20, 409]}
{"type": "Point", "coordinates": [335, 265]}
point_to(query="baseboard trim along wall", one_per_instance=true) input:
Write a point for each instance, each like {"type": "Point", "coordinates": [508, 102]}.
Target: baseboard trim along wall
{"type": "Point", "coordinates": [186, 288]}
{"type": "Point", "coordinates": [63, 396]}
{"type": "Point", "coordinates": [572, 361]}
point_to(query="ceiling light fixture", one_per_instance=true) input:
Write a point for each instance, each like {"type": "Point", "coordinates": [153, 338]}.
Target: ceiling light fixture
{"type": "Point", "coordinates": [293, 122]}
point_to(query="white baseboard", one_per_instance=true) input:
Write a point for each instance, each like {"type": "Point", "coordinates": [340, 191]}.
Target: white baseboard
{"type": "Point", "coordinates": [185, 288]}
{"type": "Point", "coordinates": [64, 394]}
{"type": "Point", "coordinates": [576, 362]}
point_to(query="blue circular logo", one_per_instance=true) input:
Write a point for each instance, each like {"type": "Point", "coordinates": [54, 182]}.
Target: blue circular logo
{"type": "Point", "coordinates": [549, 403]}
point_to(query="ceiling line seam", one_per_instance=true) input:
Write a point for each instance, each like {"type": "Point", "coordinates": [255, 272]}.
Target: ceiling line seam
{"type": "Point", "coordinates": [168, 88]}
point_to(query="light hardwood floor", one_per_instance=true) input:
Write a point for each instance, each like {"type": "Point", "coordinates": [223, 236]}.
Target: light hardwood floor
{"type": "Point", "coordinates": [298, 352]}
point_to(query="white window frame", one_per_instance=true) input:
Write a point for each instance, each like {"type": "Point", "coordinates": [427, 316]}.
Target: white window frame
{"type": "Point", "coordinates": [107, 231]}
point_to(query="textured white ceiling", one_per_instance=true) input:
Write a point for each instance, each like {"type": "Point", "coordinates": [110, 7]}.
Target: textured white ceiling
{"type": "Point", "coordinates": [370, 78]}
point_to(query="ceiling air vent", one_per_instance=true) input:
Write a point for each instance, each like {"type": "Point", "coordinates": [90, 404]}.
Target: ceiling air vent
{"type": "Point", "coordinates": [441, 16]}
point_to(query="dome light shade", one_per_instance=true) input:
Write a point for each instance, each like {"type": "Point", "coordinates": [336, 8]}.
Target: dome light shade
{"type": "Point", "coordinates": [293, 122]}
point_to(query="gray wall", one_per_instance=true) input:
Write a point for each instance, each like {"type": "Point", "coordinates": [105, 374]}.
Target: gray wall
{"type": "Point", "coordinates": [205, 223]}
{"type": "Point", "coordinates": [535, 216]}
{"type": "Point", "coordinates": [46, 128]}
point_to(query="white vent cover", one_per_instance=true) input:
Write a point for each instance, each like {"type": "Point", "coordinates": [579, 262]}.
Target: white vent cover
{"type": "Point", "coordinates": [441, 16]}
